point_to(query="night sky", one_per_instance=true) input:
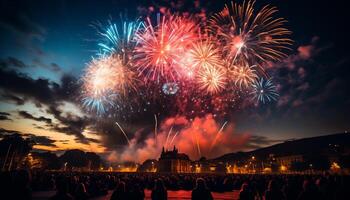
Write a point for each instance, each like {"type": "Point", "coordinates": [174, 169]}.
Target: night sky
{"type": "Point", "coordinates": [45, 45]}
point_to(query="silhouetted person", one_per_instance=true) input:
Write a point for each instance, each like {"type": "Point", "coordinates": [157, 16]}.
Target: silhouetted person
{"type": "Point", "coordinates": [80, 192]}
{"type": "Point", "coordinates": [309, 191]}
{"type": "Point", "coordinates": [273, 192]}
{"type": "Point", "coordinates": [159, 191]}
{"type": "Point", "coordinates": [21, 188]}
{"type": "Point", "coordinates": [201, 192]}
{"type": "Point", "coordinates": [136, 192]}
{"type": "Point", "coordinates": [62, 189]}
{"type": "Point", "coordinates": [244, 193]}
{"type": "Point", "coordinates": [120, 192]}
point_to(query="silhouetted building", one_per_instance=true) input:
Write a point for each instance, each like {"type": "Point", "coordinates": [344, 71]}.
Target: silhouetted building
{"type": "Point", "coordinates": [174, 162]}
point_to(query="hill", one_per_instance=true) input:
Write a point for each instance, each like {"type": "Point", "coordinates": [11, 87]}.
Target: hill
{"type": "Point", "coordinates": [305, 146]}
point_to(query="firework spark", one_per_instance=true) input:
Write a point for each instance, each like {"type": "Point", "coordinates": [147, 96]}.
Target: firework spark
{"type": "Point", "coordinates": [211, 79]}
{"type": "Point", "coordinates": [249, 35]}
{"type": "Point", "coordinates": [244, 75]}
{"type": "Point", "coordinates": [160, 48]}
{"type": "Point", "coordinates": [264, 91]}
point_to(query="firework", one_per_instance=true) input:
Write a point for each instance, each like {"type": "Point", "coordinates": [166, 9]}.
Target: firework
{"type": "Point", "coordinates": [120, 39]}
{"type": "Point", "coordinates": [155, 127]}
{"type": "Point", "coordinates": [125, 135]}
{"type": "Point", "coordinates": [172, 140]}
{"type": "Point", "coordinates": [203, 54]}
{"type": "Point", "coordinates": [211, 79]}
{"type": "Point", "coordinates": [160, 48]}
{"type": "Point", "coordinates": [243, 75]}
{"type": "Point", "coordinates": [105, 79]}
{"type": "Point", "coordinates": [264, 90]}
{"type": "Point", "coordinates": [217, 136]}
{"type": "Point", "coordinates": [249, 35]}
{"type": "Point", "coordinates": [169, 53]}
{"type": "Point", "coordinates": [167, 138]}
{"type": "Point", "coordinates": [170, 88]}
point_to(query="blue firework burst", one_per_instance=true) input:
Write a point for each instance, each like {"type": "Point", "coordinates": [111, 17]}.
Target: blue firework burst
{"type": "Point", "coordinates": [120, 39]}
{"type": "Point", "coordinates": [264, 91]}
{"type": "Point", "coordinates": [170, 88]}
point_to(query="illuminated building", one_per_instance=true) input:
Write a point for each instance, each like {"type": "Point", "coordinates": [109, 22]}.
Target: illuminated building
{"type": "Point", "coordinates": [174, 162]}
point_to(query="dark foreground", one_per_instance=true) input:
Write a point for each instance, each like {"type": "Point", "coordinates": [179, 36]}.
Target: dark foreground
{"type": "Point", "coordinates": [180, 194]}
{"type": "Point", "coordinates": [101, 186]}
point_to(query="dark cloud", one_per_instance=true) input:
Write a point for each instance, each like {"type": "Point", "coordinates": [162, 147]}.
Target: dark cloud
{"type": "Point", "coordinates": [52, 66]}
{"type": "Point", "coordinates": [17, 21]}
{"type": "Point", "coordinates": [5, 113]}
{"type": "Point", "coordinates": [12, 98]}
{"type": "Point", "coordinates": [4, 132]}
{"type": "Point", "coordinates": [27, 115]}
{"type": "Point", "coordinates": [41, 90]}
{"type": "Point", "coordinates": [45, 92]}
{"type": "Point", "coordinates": [12, 62]}
{"type": "Point", "coordinates": [5, 116]}
{"type": "Point", "coordinates": [55, 67]}
{"type": "Point", "coordinates": [70, 124]}
{"type": "Point", "coordinates": [43, 140]}
{"type": "Point", "coordinates": [39, 140]}
{"type": "Point", "coordinates": [257, 141]}
{"type": "Point", "coordinates": [304, 79]}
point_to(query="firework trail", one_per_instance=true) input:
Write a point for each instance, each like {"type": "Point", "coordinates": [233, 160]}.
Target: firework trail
{"type": "Point", "coordinates": [217, 136]}
{"type": "Point", "coordinates": [126, 137]}
{"type": "Point", "coordinates": [167, 138]}
{"type": "Point", "coordinates": [264, 91]}
{"type": "Point", "coordinates": [172, 140]}
{"type": "Point", "coordinates": [155, 127]}
{"type": "Point", "coordinates": [198, 147]}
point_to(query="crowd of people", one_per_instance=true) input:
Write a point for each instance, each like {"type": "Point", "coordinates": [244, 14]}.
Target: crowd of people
{"type": "Point", "coordinates": [83, 186]}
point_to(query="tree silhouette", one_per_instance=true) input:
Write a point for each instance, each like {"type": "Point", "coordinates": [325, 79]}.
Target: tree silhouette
{"type": "Point", "coordinates": [74, 159]}
{"type": "Point", "coordinates": [13, 149]}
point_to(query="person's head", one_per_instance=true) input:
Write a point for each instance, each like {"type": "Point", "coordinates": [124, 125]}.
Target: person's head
{"type": "Point", "coordinates": [306, 184]}
{"type": "Point", "coordinates": [159, 185]}
{"type": "Point", "coordinates": [62, 184]}
{"type": "Point", "coordinates": [121, 186]}
{"type": "Point", "coordinates": [244, 187]}
{"type": "Point", "coordinates": [81, 188]}
{"type": "Point", "coordinates": [22, 178]}
{"type": "Point", "coordinates": [200, 183]}
{"type": "Point", "coordinates": [272, 185]}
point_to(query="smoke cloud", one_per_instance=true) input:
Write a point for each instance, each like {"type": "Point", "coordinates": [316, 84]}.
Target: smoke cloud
{"type": "Point", "coordinates": [202, 136]}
